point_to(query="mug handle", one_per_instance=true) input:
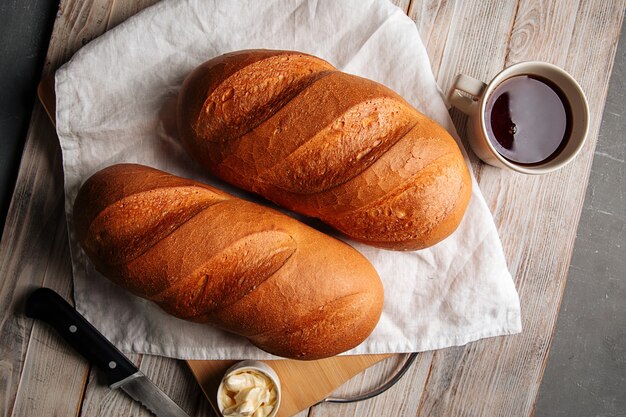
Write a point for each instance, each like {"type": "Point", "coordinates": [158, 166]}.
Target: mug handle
{"type": "Point", "coordinates": [470, 86]}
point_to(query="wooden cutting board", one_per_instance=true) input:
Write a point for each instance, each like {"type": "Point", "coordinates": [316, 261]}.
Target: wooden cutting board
{"type": "Point", "coordinates": [304, 383]}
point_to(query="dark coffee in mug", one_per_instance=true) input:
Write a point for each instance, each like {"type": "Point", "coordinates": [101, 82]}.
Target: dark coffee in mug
{"type": "Point", "coordinates": [528, 119]}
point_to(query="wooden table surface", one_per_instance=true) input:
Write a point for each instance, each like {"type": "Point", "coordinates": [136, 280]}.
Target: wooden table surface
{"type": "Point", "coordinates": [536, 217]}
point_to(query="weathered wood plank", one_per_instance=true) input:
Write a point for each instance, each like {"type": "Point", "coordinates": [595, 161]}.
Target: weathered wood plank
{"type": "Point", "coordinates": [33, 256]}
{"type": "Point", "coordinates": [536, 218]}
{"type": "Point", "coordinates": [402, 4]}
{"type": "Point", "coordinates": [48, 357]}
{"type": "Point", "coordinates": [503, 373]}
{"type": "Point", "coordinates": [434, 23]}
{"type": "Point", "coordinates": [172, 376]}
{"type": "Point", "coordinates": [122, 10]}
{"type": "Point", "coordinates": [403, 399]}
{"type": "Point", "coordinates": [99, 400]}
{"type": "Point", "coordinates": [542, 32]}
{"type": "Point", "coordinates": [34, 252]}
{"type": "Point", "coordinates": [21, 268]}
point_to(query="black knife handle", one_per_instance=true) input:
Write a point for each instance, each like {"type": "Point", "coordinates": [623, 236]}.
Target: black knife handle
{"type": "Point", "coordinates": [45, 304]}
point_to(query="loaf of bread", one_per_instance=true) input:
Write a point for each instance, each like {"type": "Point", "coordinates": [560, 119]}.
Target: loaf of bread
{"type": "Point", "coordinates": [327, 144]}
{"type": "Point", "coordinates": [205, 256]}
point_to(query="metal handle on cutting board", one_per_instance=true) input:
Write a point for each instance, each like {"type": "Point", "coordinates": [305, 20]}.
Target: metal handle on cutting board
{"type": "Point", "coordinates": [379, 390]}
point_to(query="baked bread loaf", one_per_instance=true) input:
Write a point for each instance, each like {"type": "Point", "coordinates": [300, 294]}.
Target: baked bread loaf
{"type": "Point", "coordinates": [205, 256]}
{"type": "Point", "coordinates": [327, 144]}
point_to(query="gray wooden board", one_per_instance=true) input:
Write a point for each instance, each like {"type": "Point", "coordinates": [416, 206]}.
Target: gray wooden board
{"type": "Point", "coordinates": [39, 376]}
{"type": "Point", "coordinates": [586, 370]}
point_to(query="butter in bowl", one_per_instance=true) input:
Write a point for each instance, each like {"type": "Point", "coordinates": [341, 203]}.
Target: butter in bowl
{"type": "Point", "coordinates": [249, 388]}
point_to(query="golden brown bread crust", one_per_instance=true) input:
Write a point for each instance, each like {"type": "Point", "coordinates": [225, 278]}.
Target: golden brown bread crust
{"type": "Point", "coordinates": [206, 256]}
{"type": "Point", "coordinates": [344, 149]}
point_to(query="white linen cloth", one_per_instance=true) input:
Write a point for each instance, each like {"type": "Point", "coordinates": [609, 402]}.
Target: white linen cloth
{"type": "Point", "coordinates": [112, 106]}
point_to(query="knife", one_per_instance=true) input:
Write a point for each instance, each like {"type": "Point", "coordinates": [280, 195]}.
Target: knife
{"type": "Point", "coordinates": [45, 304]}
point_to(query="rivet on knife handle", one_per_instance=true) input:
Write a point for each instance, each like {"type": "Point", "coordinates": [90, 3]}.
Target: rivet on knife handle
{"type": "Point", "coordinates": [48, 306]}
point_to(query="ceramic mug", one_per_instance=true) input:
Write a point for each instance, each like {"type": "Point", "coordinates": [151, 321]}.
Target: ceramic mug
{"type": "Point", "coordinates": [471, 96]}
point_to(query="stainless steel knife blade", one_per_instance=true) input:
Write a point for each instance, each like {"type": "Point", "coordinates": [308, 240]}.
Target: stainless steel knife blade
{"type": "Point", "coordinates": [141, 389]}
{"type": "Point", "coordinates": [120, 372]}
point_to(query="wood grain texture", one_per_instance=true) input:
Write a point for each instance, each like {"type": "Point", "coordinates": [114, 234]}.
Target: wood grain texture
{"type": "Point", "coordinates": [171, 376]}
{"type": "Point", "coordinates": [434, 24]}
{"type": "Point", "coordinates": [39, 393]}
{"type": "Point", "coordinates": [402, 399]}
{"type": "Point", "coordinates": [531, 213]}
{"type": "Point", "coordinates": [498, 376]}
{"type": "Point", "coordinates": [402, 4]}
{"type": "Point", "coordinates": [34, 250]}
{"type": "Point", "coordinates": [322, 377]}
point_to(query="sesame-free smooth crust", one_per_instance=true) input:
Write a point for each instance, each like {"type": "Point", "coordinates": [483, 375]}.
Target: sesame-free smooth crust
{"type": "Point", "coordinates": [205, 256]}
{"type": "Point", "coordinates": [341, 148]}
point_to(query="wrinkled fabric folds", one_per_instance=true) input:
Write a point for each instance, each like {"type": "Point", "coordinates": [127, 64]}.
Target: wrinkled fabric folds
{"type": "Point", "coordinates": [115, 104]}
